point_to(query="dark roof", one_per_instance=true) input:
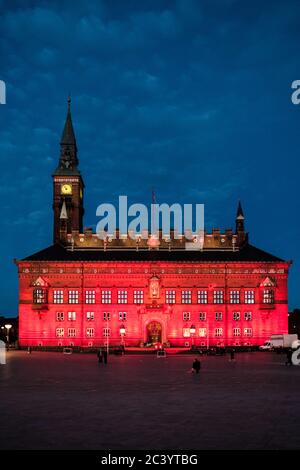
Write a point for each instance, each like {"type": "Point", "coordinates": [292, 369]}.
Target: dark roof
{"type": "Point", "coordinates": [59, 253]}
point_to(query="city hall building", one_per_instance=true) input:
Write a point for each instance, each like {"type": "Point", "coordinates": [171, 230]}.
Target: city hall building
{"type": "Point", "coordinates": [85, 291]}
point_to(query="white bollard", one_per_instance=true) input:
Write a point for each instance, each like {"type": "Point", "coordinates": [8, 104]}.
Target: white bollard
{"type": "Point", "coordinates": [2, 352]}
{"type": "Point", "coordinates": [296, 357]}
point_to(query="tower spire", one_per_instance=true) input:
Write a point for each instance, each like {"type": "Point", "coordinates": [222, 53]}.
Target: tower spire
{"type": "Point", "coordinates": [68, 160]}
{"type": "Point", "coordinates": [240, 219]}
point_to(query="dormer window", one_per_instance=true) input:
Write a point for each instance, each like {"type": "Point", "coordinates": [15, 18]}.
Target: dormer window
{"type": "Point", "coordinates": [40, 296]}
{"type": "Point", "coordinates": [268, 296]}
{"type": "Point", "coordinates": [40, 291]}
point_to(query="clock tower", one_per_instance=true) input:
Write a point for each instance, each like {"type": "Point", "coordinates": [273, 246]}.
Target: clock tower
{"type": "Point", "coordinates": [68, 186]}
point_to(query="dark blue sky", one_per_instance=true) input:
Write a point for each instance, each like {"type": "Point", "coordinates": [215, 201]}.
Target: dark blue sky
{"type": "Point", "coordinates": [191, 97]}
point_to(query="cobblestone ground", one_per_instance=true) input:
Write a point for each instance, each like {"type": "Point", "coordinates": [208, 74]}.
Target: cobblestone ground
{"type": "Point", "coordinates": [55, 401]}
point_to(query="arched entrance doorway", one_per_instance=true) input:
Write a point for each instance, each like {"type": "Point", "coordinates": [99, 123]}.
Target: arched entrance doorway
{"type": "Point", "coordinates": [154, 332]}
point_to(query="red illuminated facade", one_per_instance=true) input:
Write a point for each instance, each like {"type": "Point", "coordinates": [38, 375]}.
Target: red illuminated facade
{"type": "Point", "coordinates": [83, 291]}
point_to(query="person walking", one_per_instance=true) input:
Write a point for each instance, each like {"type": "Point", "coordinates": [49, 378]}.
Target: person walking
{"type": "Point", "coordinates": [289, 357]}
{"type": "Point", "coordinates": [100, 355]}
{"type": "Point", "coordinates": [105, 356]}
{"type": "Point", "coordinates": [232, 354]}
{"type": "Point", "coordinates": [196, 366]}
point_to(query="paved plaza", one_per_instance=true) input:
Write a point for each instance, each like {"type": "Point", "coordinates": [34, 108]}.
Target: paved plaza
{"type": "Point", "coordinates": [57, 401]}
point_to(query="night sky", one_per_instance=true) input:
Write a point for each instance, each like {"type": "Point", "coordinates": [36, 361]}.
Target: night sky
{"type": "Point", "coordinates": [192, 98]}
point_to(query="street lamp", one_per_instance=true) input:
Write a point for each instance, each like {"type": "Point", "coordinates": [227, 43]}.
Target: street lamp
{"type": "Point", "coordinates": [8, 327]}
{"type": "Point", "coordinates": [122, 333]}
{"type": "Point", "coordinates": [192, 332]}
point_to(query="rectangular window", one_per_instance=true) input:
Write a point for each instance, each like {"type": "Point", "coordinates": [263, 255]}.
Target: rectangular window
{"type": "Point", "coordinates": [90, 296]}
{"type": "Point", "coordinates": [248, 316]}
{"type": "Point", "coordinates": [248, 331]}
{"type": "Point", "coordinates": [186, 297]}
{"type": "Point", "coordinates": [58, 297]}
{"type": "Point", "coordinates": [202, 296]}
{"type": "Point", "coordinates": [202, 316]}
{"type": "Point", "coordinates": [186, 316]}
{"type": "Point", "coordinates": [73, 297]}
{"type": "Point", "coordinates": [170, 296]}
{"type": "Point", "coordinates": [218, 316]}
{"type": "Point", "coordinates": [90, 316]}
{"type": "Point", "coordinates": [268, 296]}
{"type": "Point", "coordinates": [106, 316]}
{"type": "Point", "coordinates": [234, 297]}
{"type": "Point", "coordinates": [122, 296]}
{"type": "Point", "coordinates": [90, 332]}
{"type": "Point", "coordinates": [202, 332]}
{"type": "Point", "coordinates": [71, 316]}
{"type": "Point", "coordinates": [60, 332]}
{"type": "Point", "coordinates": [72, 332]}
{"type": "Point", "coordinates": [106, 296]}
{"type": "Point", "coordinates": [218, 297]}
{"type": "Point", "coordinates": [106, 332]}
{"type": "Point", "coordinates": [186, 332]}
{"type": "Point", "coordinates": [249, 297]}
{"type": "Point", "coordinates": [218, 332]}
{"type": "Point", "coordinates": [122, 316]}
{"type": "Point", "coordinates": [236, 316]}
{"type": "Point", "coordinates": [138, 297]}
{"type": "Point", "coordinates": [60, 316]}
{"type": "Point", "coordinates": [236, 332]}
{"type": "Point", "coordinates": [39, 296]}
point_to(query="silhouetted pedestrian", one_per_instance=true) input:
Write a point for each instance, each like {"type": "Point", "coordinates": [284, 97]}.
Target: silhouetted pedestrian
{"type": "Point", "coordinates": [29, 350]}
{"type": "Point", "coordinates": [289, 357]}
{"type": "Point", "coordinates": [105, 356]}
{"type": "Point", "coordinates": [196, 366]}
{"type": "Point", "coordinates": [232, 354]}
{"type": "Point", "coordinates": [100, 355]}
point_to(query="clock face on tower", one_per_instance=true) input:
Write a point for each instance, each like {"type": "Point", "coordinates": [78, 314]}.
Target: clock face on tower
{"type": "Point", "coordinates": [66, 189]}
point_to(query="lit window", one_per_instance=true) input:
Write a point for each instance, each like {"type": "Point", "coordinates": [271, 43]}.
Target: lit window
{"type": "Point", "coordinates": [39, 296]}
{"type": "Point", "coordinates": [186, 316]}
{"type": "Point", "coordinates": [122, 316]}
{"type": "Point", "coordinates": [186, 332]}
{"type": "Point", "coordinates": [170, 296]}
{"type": "Point", "coordinates": [186, 297]}
{"type": "Point", "coordinates": [60, 332]}
{"type": "Point", "coordinates": [73, 297]}
{"type": "Point", "coordinates": [138, 296]}
{"type": "Point", "coordinates": [248, 331]}
{"type": "Point", "coordinates": [248, 316]}
{"type": "Point", "coordinates": [71, 316]}
{"type": "Point", "coordinates": [90, 297]}
{"type": "Point", "coordinates": [106, 297]}
{"type": "Point", "coordinates": [202, 332]}
{"type": "Point", "coordinates": [59, 316]}
{"type": "Point", "coordinates": [218, 297]}
{"type": "Point", "coordinates": [72, 332]}
{"type": "Point", "coordinates": [106, 332]}
{"type": "Point", "coordinates": [90, 332]}
{"type": "Point", "coordinates": [234, 296]}
{"type": "Point", "coordinates": [58, 297]}
{"type": "Point", "coordinates": [268, 296]}
{"type": "Point", "coordinates": [122, 296]}
{"type": "Point", "coordinates": [202, 296]}
{"type": "Point", "coordinates": [236, 316]}
{"type": "Point", "coordinates": [202, 316]}
{"type": "Point", "coordinates": [90, 316]}
{"type": "Point", "coordinates": [236, 332]}
{"type": "Point", "coordinates": [249, 297]}
{"type": "Point", "coordinates": [218, 332]}
{"type": "Point", "coordinates": [218, 316]}
{"type": "Point", "coordinates": [106, 316]}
